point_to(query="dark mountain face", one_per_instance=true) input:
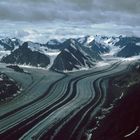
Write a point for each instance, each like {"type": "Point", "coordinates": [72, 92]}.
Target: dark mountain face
{"type": "Point", "coordinates": [129, 46]}
{"type": "Point", "coordinates": [124, 120]}
{"type": "Point", "coordinates": [74, 56]}
{"type": "Point", "coordinates": [124, 41]}
{"type": "Point", "coordinates": [99, 48]}
{"type": "Point", "coordinates": [65, 61]}
{"type": "Point", "coordinates": [23, 55]}
{"type": "Point", "coordinates": [129, 50]}
{"type": "Point", "coordinates": [8, 87]}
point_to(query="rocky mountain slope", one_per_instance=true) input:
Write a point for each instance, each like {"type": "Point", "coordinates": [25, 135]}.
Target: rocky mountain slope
{"type": "Point", "coordinates": [70, 54]}
{"type": "Point", "coordinates": [75, 56]}
{"type": "Point", "coordinates": [130, 46]}
{"type": "Point", "coordinates": [8, 87]}
{"type": "Point", "coordinates": [24, 55]}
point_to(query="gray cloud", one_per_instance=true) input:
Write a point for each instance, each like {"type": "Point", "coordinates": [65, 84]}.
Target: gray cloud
{"type": "Point", "coordinates": [125, 12]}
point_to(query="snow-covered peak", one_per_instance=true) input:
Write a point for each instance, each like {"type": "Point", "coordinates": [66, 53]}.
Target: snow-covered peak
{"type": "Point", "coordinates": [86, 41]}
{"type": "Point", "coordinates": [105, 40]}
{"type": "Point", "coordinates": [90, 39]}
{"type": "Point", "coordinates": [108, 42]}
{"type": "Point", "coordinates": [7, 45]}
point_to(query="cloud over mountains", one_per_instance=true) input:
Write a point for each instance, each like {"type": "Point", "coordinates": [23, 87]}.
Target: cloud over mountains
{"type": "Point", "coordinates": [125, 12]}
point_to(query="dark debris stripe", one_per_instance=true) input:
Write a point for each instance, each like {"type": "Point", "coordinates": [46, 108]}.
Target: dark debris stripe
{"type": "Point", "coordinates": [65, 132]}
{"type": "Point", "coordinates": [34, 101]}
{"type": "Point", "coordinates": [17, 131]}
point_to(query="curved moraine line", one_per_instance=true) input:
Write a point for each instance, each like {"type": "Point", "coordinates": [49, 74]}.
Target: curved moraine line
{"type": "Point", "coordinates": [53, 115]}
{"type": "Point", "coordinates": [36, 117]}
{"type": "Point", "coordinates": [12, 131]}
{"type": "Point", "coordinates": [34, 101]}
{"type": "Point", "coordinates": [89, 112]}
{"type": "Point", "coordinates": [67, 130]}
{"type": "Point", "coordinates": [32, 109]}
{"type": "Point", "coordinates": [68, 95]}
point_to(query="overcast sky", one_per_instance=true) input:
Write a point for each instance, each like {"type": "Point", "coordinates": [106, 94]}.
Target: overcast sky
{"type": "Point", "coordinates": [39, 20]}
{"type": "Point", "coordinates": [126, 12]}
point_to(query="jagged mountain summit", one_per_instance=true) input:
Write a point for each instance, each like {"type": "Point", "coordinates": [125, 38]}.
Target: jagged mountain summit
{"type": "Point", "coordinates": [75, 56]}
{"type": "Point", "coordinates": [7, 45]}
{"type": "Point", "coordinates": [71, 54]}
{"type": "Point", "coordinates": [24, 55]}
{"type": "Point", "coordinates": [94, 43]}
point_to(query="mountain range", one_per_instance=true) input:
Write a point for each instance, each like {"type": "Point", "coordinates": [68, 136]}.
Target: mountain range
{"type": "Point", "coordinates": [70, 54]}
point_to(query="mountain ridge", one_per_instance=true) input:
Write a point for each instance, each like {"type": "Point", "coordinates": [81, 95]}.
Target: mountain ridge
{"type": "Point", "coordinates": [70, 54]}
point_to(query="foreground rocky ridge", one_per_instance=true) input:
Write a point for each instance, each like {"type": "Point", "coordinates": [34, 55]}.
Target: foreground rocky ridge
{"type": "Point", "coordinates": [8, 87]}
{"type": "Point", "coordinates": [123, 122]}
